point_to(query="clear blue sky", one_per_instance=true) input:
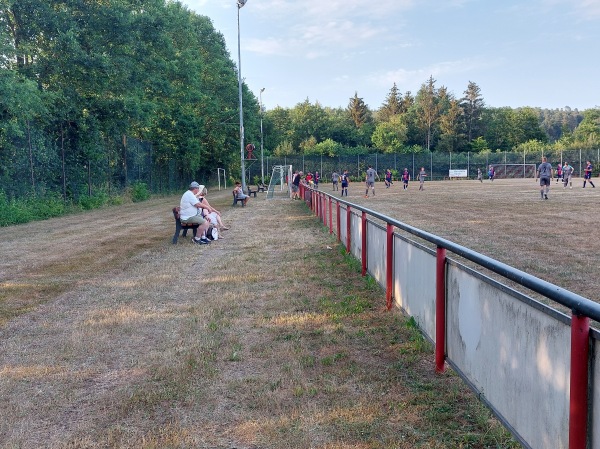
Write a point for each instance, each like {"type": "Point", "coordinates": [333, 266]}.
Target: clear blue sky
{"type": "Point", "coordinates": [540, 53]}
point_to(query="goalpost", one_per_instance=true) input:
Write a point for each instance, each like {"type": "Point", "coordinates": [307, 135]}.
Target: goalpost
{"type": "Point", "coordinates": [503, 171]}
{"type": "Point", "coordinates": [282, 177]}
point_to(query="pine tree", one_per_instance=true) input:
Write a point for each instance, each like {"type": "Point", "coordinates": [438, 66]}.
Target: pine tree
{"type": "Point", "coordinates": [472, 105]}
{"type": "Point", "coordinates": [392, 105]}
{"type": "Point", "coordinates": [359, 111]}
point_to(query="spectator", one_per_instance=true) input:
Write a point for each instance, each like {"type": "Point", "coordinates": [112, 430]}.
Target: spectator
{"type": "Point", "coordinates": [214, 214]}
{"type": "Point", "coordinates": [239, 192]}
{"type": "Point", "coordinates": [296, 185]}
{"type": "Point", "coordinates": [190, 211]}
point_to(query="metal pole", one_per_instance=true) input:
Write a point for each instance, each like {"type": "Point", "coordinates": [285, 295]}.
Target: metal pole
{"type": "Point", "coordinates": [262, 166]}
{"type": "Point", "coordinates": [578, 410]}
{"type": "Point", "coordinates": [240, 4]}
{"type": "Point", "coordinates": [440, 310]}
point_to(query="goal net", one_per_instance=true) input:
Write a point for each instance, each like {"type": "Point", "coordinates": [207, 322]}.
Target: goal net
{"type": "Point", "coordinates": [279, 185]}
{"type": "Point", "coordinates": [514, 170]}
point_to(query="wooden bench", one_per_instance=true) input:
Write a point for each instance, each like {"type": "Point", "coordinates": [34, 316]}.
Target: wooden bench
{"type": "Point", "coordinates": [252, 192]}
{"type": "Point", "coordinates": [238, 200]}
{"type": "Point", "coordinates": [182, 226]}
{"type": "Point", "coordinates": [262, 187]}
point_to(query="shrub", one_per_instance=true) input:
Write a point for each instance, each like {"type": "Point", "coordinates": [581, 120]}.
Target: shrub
{"type": "Point", "coordinates": [139, 192]}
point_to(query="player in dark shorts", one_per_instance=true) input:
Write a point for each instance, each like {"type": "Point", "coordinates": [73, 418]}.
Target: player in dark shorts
{"type": "Point", "coordinates": [345, 181]}
{"type": "Point", "coordinates": [587, 176]}
{"type": "Point", "coordinates": [545, 174]}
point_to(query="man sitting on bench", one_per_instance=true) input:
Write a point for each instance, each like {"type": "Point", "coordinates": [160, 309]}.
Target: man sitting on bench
{"type": "Point", "coordinates": [191, 212]}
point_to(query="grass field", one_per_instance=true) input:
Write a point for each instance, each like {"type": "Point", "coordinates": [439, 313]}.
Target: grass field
{"type": "Point", "coordinates": [113, 337]}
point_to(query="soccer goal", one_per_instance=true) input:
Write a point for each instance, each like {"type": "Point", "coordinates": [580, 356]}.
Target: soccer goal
{"type": "Point", "coordinates": [281, 177]}
{"type": "Point", "coordinates": [514, 170]}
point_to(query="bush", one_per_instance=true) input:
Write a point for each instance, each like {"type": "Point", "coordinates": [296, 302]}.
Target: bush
{"type": "Point", "coordinates": [139, 192]}
{"type": "Point", "coordinates": [97, 200]}
{"type": "Point", "coordinates": [24, 210]}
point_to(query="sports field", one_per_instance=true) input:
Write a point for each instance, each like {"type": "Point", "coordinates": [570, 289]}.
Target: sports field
{"type": "Point", "coordinates": [113, 337]}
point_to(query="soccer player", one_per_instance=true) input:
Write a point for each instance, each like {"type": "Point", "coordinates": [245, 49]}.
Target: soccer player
{"type": "Point", "coordinates": [345, 181]}
{"type": "Point", "coordinates": [567, 171]}
{"type": "Point", "coordinates": [405, 179]}
{"type": "Point", "coordinates": [588, 174]}
{"type": "Point", "coordinates": [370, 180]}
{"type": "Point", "coordinates": [422, 175]}
{"type": "Point", "coordinates": [545, 174]}
{"type": "Point", "coordinates": [388, 178]}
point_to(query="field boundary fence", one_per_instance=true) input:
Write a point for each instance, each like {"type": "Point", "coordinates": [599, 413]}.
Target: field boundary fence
{"type": "Point", "coordinates": [532, 365]}
{"type": "Point", "coordinates": [36, 164]}
{"type": "Point", "coordinates": [436, 164]}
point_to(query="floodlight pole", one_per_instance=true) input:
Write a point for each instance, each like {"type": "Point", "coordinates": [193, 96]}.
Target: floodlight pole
{"type": "Point", "coordinates": [240, 5]}
{"type": "Point", "coordinates": [262, 166]}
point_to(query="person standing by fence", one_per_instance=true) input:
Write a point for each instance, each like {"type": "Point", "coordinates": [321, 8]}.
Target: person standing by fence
{"type": "Point", "coordinates": [545, 175]}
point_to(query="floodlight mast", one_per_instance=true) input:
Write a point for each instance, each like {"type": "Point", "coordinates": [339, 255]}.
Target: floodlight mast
{"type": "Point", "coordinates": [240, 5]}
{"type": "Point", "coordinates": [262, 166]}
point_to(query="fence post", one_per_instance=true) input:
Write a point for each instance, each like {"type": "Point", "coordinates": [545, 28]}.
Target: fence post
{"type": "Point", "coordinates": [330, 217]}
{"type": "Point", "coordinates": [363, 220]}
{"type": "Point", "coordinates": [324, 208]}
{"type": "Point", "coordinates": [578, 413]}
{"type": "Point", "coordinates": [389, 270]}
{"type": "Point", "coordinates": [339, 223]}
{"type": "Point", "coordinates": [348, 229]}
{"type": "Point", "coordinates": [440, 310]}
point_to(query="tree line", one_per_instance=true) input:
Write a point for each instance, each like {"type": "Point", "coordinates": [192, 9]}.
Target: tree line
{"type": "Point", "coordinates": [80, 80]}
{"type": "Point", "coordinates": [433, 119]}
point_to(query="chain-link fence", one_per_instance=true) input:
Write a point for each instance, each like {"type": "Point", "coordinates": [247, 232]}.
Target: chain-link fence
{"type": "Point", "coordinates": [436, 164]}
{"type": "Point", "coordinates": [35, 164]}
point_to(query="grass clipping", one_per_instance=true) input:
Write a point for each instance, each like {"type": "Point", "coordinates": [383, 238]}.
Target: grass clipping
{"type": "Point", "coordinates": [260, 340]}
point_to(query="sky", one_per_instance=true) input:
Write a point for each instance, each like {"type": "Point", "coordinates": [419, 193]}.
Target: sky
{"type": "Point", "coordinates": [537, 53]}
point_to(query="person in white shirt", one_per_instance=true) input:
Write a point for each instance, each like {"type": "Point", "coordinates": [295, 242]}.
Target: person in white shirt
{"type": "Point", "coordinates": [190, 211]}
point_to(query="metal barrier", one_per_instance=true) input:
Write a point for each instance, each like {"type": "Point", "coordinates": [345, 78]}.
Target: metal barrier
{"type": "Point", "coordinates": [529, 363]}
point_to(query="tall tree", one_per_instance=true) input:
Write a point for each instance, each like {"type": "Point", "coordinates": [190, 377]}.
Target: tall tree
{"type": "Point", "coordinates": [392, 105]}
{"type": "Point", "coordinates": [428, 108]}
{"type": "Point", "coordinates": [359, 111]}
{"type": "Point", "coordinates": [472, 104]}
{"type": "Point", "coordinates": [452, 137]}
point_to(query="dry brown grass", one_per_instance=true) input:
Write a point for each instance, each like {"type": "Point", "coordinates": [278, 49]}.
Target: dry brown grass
{"type": "Point", "coordinates": [114, 338]}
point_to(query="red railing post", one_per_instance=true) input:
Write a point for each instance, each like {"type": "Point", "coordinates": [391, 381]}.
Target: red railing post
{"type": "Point", "coordinates": [324, 208]}
{"type": "Point", "coordinates": [440, 310]}
{"type": "Point", "coordinates": [363, 220]}
{"type": "Point", "coordinates": [330, 216]}
{"type": "Point", "coordinates": [578, 413]}
{"type": "Point", "coordinates": [348, 229]}
{"type": "Point", "coordinates": [339, 223]}
{"type": "Point", "coordinates": [389, 269]}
